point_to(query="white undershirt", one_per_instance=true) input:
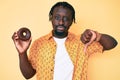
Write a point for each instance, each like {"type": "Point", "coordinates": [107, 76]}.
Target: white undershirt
{"type": "Point", "coordinates": [63, 69]}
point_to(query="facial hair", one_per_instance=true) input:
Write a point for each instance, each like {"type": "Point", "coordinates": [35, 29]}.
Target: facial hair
{"type": "Point", "coordinates": [61, 33]}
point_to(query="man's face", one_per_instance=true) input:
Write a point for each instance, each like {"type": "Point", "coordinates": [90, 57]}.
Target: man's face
{"type": "Point", "coordinates": [61, 20]}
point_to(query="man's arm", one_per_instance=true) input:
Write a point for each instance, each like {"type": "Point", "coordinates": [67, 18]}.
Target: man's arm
{"type": "Point", "coordinates": [22, 47]}
{"type": "Point", "coordinates": [107, 41]}
{"type": "Point", "coordinates": [25, 66]}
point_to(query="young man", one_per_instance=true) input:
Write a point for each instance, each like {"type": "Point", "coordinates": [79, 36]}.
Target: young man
{"type": "Point", "coordinates": [61, 55]}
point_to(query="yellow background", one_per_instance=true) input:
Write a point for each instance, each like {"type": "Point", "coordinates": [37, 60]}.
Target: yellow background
{"type": "Point", "coordinates": [100, 15]}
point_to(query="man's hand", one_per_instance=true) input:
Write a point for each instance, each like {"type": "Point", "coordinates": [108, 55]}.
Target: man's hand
{"type": "Point", "coordinates": [88, 37]}
{"type": "Point", "coordinates": [20, 45]}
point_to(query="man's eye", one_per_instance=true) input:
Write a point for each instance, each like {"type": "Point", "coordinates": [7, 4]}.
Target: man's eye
{"type": "Point", "coordinates": [57, 17]}
{"type": "Point", "coordinates": [65, 19]}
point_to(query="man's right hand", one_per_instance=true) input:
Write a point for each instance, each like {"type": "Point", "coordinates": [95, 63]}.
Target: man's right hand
{"type": "Point", "coordinates": [21, 45]}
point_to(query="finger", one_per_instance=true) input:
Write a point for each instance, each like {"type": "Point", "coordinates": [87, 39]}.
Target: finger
{"type": "Point", "coordinates": [89, 32]}
{"type": "Point", "coordinates": [15, 36]}
{"type": "Point", "coordinates": [87, 36]}
{"type": "Point", "coordinates": [91, 40]}
{"type": "Point", "coordinates": [85, 39]}
{"type": "Point", "coordinates": [29, 40]}
{"type": "Point", "coordinates": [93, 37]}
{"type": "Point", "coordinates": [82, 39]}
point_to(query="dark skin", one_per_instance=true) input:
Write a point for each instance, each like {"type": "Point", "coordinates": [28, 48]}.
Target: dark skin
{"type": "Point", "coordinates": [61, 21]}
{"type": "Point", "coordinates": [107, 41]}
{"type": "Point", "coordinates": [22, 47]}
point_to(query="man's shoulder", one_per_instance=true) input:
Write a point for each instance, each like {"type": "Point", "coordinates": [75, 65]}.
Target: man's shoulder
{"type": "Point", "coordinates": [43, 38]}
{"type": "Point", "coordinates": [74, 36]}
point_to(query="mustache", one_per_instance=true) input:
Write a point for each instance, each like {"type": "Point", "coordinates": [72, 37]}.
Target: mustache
{"type": "Point", "coordinates": [61, 26]}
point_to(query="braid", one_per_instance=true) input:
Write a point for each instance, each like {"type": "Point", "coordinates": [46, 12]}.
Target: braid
{"type": "Point", "coordinates": [65, 5]}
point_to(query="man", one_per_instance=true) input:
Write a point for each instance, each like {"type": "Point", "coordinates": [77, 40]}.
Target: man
{"type": "Point", "coordinates": [61, 55]}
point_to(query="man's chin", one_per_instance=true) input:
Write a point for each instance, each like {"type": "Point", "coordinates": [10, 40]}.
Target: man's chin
{"type": "Point", "coordinates": [60, 33]}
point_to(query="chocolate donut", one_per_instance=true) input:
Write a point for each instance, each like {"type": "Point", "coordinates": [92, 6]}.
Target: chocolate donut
{"type": "Point", "coordinates": [24, 34]}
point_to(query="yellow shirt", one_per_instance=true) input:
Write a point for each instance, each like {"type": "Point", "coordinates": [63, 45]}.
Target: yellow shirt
{"type": "Point", "coordinates": [42, 54]}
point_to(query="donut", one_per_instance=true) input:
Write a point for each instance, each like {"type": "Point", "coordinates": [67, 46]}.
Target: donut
{"type": "Point", "coordinates": [24, 33]}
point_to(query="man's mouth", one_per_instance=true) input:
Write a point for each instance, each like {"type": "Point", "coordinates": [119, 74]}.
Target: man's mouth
{"type": "Point", "coordinates": [60, 28]}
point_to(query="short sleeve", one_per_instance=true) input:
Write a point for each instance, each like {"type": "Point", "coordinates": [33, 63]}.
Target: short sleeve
{"type": "Point", "coordinates": [95, 47]}
{"type": "Point", "coordinates": [33, 54]}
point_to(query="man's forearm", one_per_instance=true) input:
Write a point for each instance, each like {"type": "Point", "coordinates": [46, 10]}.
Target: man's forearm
{"type": "Point", "coordinates": [107, 41]}
{"type": "Point", "coordinates": [25, 66]}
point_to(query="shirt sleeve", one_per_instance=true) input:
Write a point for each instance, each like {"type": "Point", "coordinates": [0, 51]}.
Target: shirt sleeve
{"type": "Point", "coordinates": [33, 54]}
{"type": "Point", "coordinates": [95, 47]}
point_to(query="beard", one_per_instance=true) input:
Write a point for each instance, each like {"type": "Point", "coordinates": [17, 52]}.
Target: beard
{"type": "Point", "coordinates": [60, 31]}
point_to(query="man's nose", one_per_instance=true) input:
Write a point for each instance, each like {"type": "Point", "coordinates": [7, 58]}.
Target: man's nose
{"type": "Point", "coordinates": [61, 22]}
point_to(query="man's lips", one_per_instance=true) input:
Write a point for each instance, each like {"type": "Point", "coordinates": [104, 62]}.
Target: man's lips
{"type": "Point", "coordinates": [61, 28]}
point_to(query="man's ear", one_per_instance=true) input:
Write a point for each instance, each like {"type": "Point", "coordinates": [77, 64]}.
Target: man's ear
{"type": "Point", "coordinates": [50, 17]}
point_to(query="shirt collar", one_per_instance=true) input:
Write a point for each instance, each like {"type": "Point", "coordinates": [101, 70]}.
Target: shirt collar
{"type": "Point", "coordinates": [70, 36]}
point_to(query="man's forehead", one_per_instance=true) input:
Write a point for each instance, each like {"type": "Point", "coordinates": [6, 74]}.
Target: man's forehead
{"type": "Point", "coordinates": [61, 9]}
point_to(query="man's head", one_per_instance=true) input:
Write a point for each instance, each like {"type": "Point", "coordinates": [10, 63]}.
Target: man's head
{"type": "Point", "coordinates": [62, 14]}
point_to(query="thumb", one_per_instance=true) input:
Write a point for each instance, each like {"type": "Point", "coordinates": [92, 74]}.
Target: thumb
{"type": "Point", "coordinates": [91, 40]}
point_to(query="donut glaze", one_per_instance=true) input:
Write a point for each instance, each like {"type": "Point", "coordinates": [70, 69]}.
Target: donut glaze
{"type": "Point", "coordinates": [24, 34]}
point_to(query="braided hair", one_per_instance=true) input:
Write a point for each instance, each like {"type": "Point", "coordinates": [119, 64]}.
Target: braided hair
{"type": "Point", "coordinates": [65, 5]}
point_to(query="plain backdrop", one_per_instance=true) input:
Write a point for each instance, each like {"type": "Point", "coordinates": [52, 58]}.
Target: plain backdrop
{"type": "Point", "coordinates": [100, 15]}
